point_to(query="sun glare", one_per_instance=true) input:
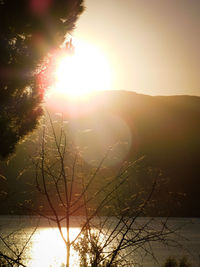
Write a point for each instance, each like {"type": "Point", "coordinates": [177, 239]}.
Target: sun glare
{"type": "Point", "coordinates": [84, 72]}
{"type": "Point", "coordinates": [54, 254]}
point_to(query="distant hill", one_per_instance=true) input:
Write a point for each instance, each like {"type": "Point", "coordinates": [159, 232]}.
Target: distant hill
{"type": "Point", "coordinates": [164, 129]}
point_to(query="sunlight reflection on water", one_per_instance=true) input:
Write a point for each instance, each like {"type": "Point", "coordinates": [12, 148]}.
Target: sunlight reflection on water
{"type": "Point", "coordinates": [48, 248]}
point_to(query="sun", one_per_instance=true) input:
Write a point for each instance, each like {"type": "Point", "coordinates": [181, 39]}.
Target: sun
{"type": "Point", "coordinates": [86, 71]}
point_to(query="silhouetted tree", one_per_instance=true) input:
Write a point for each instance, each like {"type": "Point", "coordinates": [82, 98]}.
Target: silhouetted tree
{"type": "Point", "coordinates": [30, 31]}
{"type": "Point", "coordinates": [111, 233]}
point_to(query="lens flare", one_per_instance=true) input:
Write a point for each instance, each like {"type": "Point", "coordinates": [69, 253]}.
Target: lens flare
{"type": "Point", "coordinates": [103, 136]}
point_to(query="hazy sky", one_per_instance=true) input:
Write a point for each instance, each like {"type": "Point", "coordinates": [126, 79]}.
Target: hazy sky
{"type": "Point", "coordinates": [153, 45]}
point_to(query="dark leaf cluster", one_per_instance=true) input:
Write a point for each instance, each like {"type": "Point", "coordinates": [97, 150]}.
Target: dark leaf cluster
{"type": "Point", "coordinates": [29, 31]}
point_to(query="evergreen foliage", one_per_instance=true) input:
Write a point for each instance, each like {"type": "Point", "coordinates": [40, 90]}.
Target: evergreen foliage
{"type": "Point", "coordinates": [30, 30]}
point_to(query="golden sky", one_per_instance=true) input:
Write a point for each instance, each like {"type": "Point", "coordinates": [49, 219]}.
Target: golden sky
{"type": "Point", "coordinates": [153, 45]}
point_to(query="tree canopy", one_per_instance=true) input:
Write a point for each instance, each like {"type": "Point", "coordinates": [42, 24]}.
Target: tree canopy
{"type": "Point", "coordinates": [29, 31]}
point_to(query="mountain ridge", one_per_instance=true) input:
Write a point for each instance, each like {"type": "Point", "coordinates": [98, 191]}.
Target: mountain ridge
{"type": "Point", "coordinates": [164, 129]}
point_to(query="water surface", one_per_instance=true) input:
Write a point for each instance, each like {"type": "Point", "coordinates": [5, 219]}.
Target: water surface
{"type": "Point", "coordinates": [46, 247]}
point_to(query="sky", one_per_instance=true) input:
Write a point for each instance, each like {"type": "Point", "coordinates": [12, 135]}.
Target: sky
{"type": "Point", "coordinates": [153, 46]}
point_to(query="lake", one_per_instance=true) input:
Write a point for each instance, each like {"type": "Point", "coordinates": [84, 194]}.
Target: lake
{"type": "Point", "coordinates": [46, 247]}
